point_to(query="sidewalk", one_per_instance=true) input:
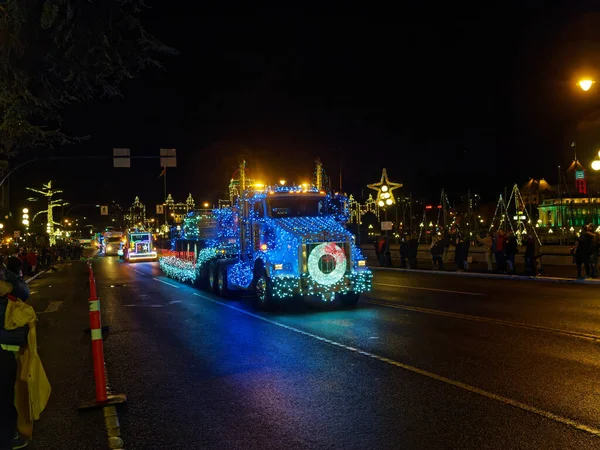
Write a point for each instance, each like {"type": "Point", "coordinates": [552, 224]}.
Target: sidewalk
{"type": "Point", "coordinates": [555, 273]}
{"type": "Point", "coordinates": [60, 300]}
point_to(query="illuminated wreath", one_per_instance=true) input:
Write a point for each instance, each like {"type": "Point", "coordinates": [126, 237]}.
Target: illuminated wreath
{"type": "Point", "coordinates": [339, 270]}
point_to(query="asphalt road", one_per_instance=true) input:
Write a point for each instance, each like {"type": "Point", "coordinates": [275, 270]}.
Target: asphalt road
{"type": "Point", "coordinates": [424, 361]}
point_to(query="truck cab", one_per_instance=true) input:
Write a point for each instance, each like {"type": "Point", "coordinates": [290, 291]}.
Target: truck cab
{"type": "Point", "coordinates": [290, 244]}
{"type": "Point", "coordinates": [139, 247]}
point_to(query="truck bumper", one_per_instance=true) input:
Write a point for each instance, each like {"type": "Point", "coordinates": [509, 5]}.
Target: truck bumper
{"type": "Point", "coordinates": [352, 283]}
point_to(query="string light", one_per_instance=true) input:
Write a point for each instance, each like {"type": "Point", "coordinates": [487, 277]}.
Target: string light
{"type": "Point", "coordinates": [178, 269]}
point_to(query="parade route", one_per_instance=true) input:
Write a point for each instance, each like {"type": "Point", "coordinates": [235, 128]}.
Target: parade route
{"type": "Point", "coordinates": [421, 362]}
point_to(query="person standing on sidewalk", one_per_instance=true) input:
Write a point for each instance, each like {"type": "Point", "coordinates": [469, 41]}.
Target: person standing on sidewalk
{"type": "Point", "coordinates": [498, 247]}
{"type": "Point", "coordinates": [413, 250]}
{"type": "Point", "coordinates": [403, 252]}
{"type": "Point", "coordinates": [594, 249]}
{"type": "Point", "coordinates": [529, 257]}
{"type": "Point", "coordinates": [487, 242]}
{"type": "Point", "coordinates": [460, 253]}
{"type": "Point", "coordinates": [437, 250]}
{"type": "Point", "coordinates": [10, 343]}
{"type": "Point", "coordinates": [581, 251]}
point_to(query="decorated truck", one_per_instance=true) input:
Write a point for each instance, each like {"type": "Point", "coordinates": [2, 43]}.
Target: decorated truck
{"type": "Point", "coordinates": [277, 242]}
{"type": "Point", "coordinates": [139, 247]}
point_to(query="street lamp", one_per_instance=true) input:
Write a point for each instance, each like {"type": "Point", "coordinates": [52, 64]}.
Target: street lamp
{"type": "Point", "coordinates": [596, 162]}
{"type": "Point", "coordinates": [585, 84]}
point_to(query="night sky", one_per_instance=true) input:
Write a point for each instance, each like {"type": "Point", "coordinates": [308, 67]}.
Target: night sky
{"type": "Point", "coordinates": [477, 100]}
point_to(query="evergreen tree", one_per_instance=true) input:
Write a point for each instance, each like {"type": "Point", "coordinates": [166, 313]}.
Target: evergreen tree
{"type": "Point", "coordinates": [57, 52]}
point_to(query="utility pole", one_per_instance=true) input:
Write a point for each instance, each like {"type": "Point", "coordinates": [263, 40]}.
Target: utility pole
{"type": "Point", "coordinates": [165, 189]}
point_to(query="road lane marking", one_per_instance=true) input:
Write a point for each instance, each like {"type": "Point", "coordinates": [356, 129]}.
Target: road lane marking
{"type": "Point", "coordinates": [141, 273]}
{"type": "Point", "coordinates": [174, 301]}
{"type": "Point", "coordinates": [575, 334]}
{"type": "Point", "coordinates": [169, 284]}
{"type": "Point", "coordinates": [429, 289]}
{"type": "Point", "coordinates": [505, 400]}
{"type": "Point", "coordinates": [52, 307]}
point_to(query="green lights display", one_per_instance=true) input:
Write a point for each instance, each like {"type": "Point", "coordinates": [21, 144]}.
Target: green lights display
{"type": "Point", "coordinates": [178, 269]}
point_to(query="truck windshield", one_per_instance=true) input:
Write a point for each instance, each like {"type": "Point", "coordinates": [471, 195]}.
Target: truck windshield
{"type": "Point", "coordinates": [296, 206]}
{"type": "Point", "coordinates": [140, 237]}
{"type": "Point", "coordinates": [114, 239]}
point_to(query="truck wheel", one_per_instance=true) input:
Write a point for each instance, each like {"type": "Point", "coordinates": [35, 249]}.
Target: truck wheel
{"type": "Point", "coordinates": [222, 280]}
{"type": "Point", "coordinates": [264, 293]}
{"type": "Point", "coordinates": [350, 299]}
{"type": "Point", "coordinates": [213, 277]}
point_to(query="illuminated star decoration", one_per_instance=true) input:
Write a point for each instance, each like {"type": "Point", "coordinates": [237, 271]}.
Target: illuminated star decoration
{"type": "Point", "coordinates": [384, 188]}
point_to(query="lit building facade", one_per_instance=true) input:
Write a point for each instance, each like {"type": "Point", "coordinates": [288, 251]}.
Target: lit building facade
{"type": "Point", "coordinates": [569, 212]}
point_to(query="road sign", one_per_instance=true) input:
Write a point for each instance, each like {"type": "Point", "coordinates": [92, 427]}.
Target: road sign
{"type": "Point", "coordinates": [17, 234]}
{"type": "Point", "coordinates": [168, 157]}
{"type": "Point", "coordinates": [160, 209]}
{"type": "Point", "coordinates": [104, 210]}
{"type": "Point", "coordinates": [121, 157]}
{"type": "Point", "coordinates": [386, 226]}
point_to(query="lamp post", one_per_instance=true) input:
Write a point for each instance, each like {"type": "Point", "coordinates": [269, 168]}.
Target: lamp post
{"type": "Point", "coordinates": [385, 198]}
{"type": "Point", "coordinates": [595, 167]}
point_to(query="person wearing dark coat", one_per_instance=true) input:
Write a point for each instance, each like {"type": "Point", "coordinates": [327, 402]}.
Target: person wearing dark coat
{"type": "Point", "coordinates": [10, 341]}
{"type": "Point", "coordinates": [412, 251]}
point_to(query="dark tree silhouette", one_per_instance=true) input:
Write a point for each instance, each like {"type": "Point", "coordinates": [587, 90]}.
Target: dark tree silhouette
{"type": "Point", "coordinates": [57, 52]}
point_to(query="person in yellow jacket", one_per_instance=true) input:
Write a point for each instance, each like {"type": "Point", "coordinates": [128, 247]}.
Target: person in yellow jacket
{"type": "Point", "coordinates": [11, 342]}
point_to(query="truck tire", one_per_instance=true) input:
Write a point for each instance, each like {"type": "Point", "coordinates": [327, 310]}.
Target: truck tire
{"type": "Point", "coordinates": [213, 277]}
{"type": "Point", "coordinates": [222, 289]}
{"type": "Point", "coordinates": [263, 288]}
{"type": "Point", "coordinates": [350, 299]}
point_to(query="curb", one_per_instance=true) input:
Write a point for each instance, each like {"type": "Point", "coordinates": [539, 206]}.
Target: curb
{"type": "Point", "coordinates": [29, 280]}
{"type": "Point", "coordinates": [492, 276]}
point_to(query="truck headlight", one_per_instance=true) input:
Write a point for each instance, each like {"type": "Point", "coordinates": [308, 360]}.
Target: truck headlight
{"type": "Point", "coordinates": [362, 263]}
{"type": "Point", "coordinates": [109, 248]}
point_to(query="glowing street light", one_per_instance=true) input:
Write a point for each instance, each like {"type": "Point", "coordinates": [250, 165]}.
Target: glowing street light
{"type": "Point", "coordinates": [282, 182]}
{"type": "Point", "coordinates": [206, 204]}
{"type": "Point", "coordinates": [585, 84]}
{"type": "Point", "coordinates": [596, 164]}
